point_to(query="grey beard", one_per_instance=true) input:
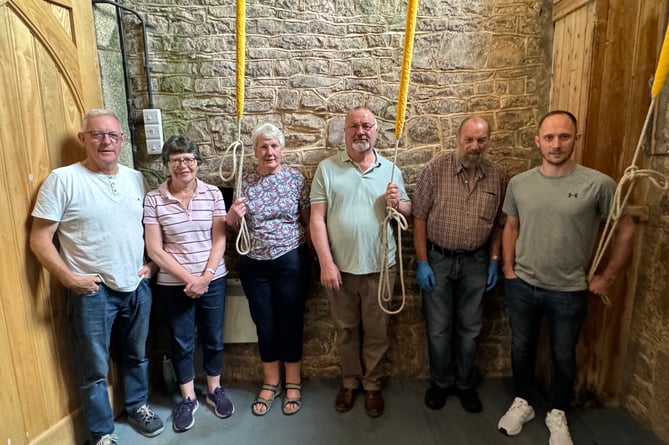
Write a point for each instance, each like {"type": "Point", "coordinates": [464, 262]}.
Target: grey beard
{"type": "Point", "coordinates": [361, 146]}
{"type": "Point", "coordinates": [471, 160]}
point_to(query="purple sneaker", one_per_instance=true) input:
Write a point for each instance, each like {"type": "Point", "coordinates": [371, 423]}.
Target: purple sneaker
{"type": "Point", "coordinates": [222, 405]}
{"type": "Point", "coordinates": [183, 415]}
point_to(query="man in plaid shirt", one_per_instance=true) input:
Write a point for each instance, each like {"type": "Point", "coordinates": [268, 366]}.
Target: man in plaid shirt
{"type": "Point", "coordinates": [457, 237]}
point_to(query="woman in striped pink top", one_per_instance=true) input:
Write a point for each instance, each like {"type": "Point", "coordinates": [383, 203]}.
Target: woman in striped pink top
{"type": "Point", "coordinates": [184, 224]}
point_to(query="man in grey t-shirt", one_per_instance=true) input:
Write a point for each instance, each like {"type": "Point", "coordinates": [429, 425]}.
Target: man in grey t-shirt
{"type": "Point", "coordinates": [554, 212]}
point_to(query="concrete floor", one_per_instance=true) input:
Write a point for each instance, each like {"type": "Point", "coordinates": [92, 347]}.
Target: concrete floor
{"type": "Point", "coordinates": [405, 421]}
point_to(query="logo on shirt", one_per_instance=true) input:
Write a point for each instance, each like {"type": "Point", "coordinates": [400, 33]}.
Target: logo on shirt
{"type": "Point", "coordinates": [573, 195]}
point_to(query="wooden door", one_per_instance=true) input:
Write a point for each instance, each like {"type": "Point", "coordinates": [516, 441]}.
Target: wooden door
{"type": "Point", "coordinates": [48, 78]}
{"type": "Point", "coordinates": [605, 53]}
{"type": "Point", "coordinates": [574, 24]}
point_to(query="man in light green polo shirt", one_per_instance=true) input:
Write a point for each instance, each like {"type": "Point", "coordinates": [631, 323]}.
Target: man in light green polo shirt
{"type": "Point", "coordinates": [349, 196]}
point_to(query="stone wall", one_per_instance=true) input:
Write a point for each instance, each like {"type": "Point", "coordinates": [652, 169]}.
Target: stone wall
{"type": "Point", "coordinates": [645, 390]}
{"type": "Point", "coordinates": [307, 63]}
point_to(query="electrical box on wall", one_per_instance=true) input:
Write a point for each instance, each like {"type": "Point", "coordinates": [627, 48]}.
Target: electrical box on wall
{"type": "Point", "coordinates": [153, 130]}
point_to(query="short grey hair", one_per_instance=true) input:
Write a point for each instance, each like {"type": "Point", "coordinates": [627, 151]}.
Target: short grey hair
{"type": "Point", "coordinates": [267, 131]}
{"type": "Point", "coordinates": [98, 112]}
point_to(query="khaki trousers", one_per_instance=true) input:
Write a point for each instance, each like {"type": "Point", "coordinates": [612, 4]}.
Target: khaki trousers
{"type": "Point", "coordinates": [362, 328]}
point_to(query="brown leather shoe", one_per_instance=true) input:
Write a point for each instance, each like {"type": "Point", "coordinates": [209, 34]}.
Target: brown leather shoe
{"type": "Point", "coordinates": [345, 399]}
{"type": "Point", "coordinates": [374, 403]}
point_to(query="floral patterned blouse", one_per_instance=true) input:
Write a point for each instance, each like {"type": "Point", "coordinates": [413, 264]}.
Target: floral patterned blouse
{"type": "Point", "coordinates": [273, 211]}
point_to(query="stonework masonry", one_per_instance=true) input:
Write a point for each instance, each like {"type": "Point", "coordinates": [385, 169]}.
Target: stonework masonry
{"type": "Point", "coordinates": [307, 63]}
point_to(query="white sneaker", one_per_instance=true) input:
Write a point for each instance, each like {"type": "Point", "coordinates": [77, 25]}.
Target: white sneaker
{"type": "Point", "coordinates": [520, 413]}
{"type": "Point", "coordinates": [556, 421]}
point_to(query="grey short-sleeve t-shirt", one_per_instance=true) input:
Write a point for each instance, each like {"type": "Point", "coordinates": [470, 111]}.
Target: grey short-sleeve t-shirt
{"type": "Point", "coordinates": [559, 222]}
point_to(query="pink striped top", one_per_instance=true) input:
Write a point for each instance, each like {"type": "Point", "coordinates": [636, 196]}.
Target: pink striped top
{"type": "Point", "coordinates": [186, 232]}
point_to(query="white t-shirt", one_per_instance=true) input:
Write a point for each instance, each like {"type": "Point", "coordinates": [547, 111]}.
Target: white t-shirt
{"type": "Point", "coordinates": [100, 222]}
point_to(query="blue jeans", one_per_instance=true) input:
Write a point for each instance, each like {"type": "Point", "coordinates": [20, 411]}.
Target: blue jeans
{"type": "Point", "coordinates": [277, 290]}
{"type": "Point", "coordinates": [90, 321]}
{"type": "Point", "coordinates": [565, 313]}
{"type": "Point", "coordinates": [453, 312]}
{"type": "Point", "coordinates": [207, 314]}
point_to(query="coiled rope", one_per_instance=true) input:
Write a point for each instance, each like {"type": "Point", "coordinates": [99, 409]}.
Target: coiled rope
{"type": "Point", "coordinates": [632, 173]}
{"type": "Point", "coordinates": [243, 241]}
{"type": "Point", "coordinates": [385, 293]}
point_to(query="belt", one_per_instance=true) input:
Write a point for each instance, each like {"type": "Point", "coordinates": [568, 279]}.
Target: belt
{"type": "Point", "coordinates": [447, 252]}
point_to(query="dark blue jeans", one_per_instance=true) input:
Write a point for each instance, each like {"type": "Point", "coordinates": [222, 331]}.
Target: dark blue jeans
{"type": "Point", "coordinates": [207, 314]}
{"type": "Point", "coordinates": [277, 290]}
{"type": "Point", "coordinates": [565, 313]}
{"type": "Point", "coordinates": [452, 310]}
{"type": "Point", "coordinates": [90, 321]}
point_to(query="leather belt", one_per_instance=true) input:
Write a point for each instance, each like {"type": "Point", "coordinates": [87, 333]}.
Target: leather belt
{"type": "Point", "coordinates": [447, 252]}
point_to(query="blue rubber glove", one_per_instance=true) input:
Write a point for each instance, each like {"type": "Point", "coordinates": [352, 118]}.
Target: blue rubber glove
{"type": "Point", "coordinates": [425, 276]}
{"type": "Point", "coordinates": [492, 275]}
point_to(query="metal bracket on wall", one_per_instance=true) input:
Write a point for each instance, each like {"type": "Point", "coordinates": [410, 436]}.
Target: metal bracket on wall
{"type": "Point", "coordinates": [147, 70]}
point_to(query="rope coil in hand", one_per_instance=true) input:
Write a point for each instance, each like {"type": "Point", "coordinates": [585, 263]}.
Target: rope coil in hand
{"type": "Point", "coordinates": [393, 214]}
{"type": "Point", "coordinates": [243, 242]}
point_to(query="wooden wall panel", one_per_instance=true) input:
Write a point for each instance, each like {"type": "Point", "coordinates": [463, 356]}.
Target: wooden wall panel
{"type": "Point", "coordinates": [43, 99]}
{"type": "Point", "coordinates": [605, 82]}
{"type": "Point", "coordinates": [11, 420]}
{"type": "Point", "coordinates": [627, 64]}
{"type": "Point", "coordinates": [572, 51]}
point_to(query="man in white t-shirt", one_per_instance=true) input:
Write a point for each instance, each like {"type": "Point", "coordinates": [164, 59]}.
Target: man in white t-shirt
{"type": "Point", "coordinates": [94, 208]}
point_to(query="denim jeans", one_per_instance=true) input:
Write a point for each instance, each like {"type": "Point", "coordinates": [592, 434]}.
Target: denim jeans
{"type": "Point", "coordinates": [207, 314]}
{"type": "Point", "coordinates": [453, 312]}
{"type": "Point", "coordinates": [90, 321]}
{"type": "Point", "coordinates": [277, 290]}
{"type": "Point", "coordinates": [565, 313]}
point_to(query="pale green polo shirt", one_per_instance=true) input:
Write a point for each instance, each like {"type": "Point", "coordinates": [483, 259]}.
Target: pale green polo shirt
{"type": "Point", "coordinates": [356, 209]}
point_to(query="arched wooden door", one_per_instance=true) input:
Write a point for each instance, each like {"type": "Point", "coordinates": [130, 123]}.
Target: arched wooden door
{"type": "Point", "coordinates": [48, 78]}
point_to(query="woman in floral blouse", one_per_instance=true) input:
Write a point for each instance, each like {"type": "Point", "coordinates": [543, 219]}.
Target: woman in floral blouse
{"type": "Point", "coordinates": [275, 273]}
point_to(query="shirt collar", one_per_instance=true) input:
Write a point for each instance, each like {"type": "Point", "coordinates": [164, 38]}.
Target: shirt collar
{"type": "Point", "coordinates": [377, 161]}
{"type": "Point", "coordinates": [480, 170]}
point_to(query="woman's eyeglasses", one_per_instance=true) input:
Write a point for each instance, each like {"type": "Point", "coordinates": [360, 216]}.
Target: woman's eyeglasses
{"type": "Point", "coordinates": [188, 162]}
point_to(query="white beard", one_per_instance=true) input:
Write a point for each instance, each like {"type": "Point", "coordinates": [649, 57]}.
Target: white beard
{"type": "Point", "coordinates": [361, 146]}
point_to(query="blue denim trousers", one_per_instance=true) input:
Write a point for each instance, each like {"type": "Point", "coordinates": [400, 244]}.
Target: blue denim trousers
{"type": "Point", "coordinates": [565, 313]}
{"type": "Point", "coordinates": [453, 312]}
{"type": "Point", "coordinates": [277, 290]}
{"type": "Point", "coordinates": [186, 314]}
{"type": "Point", "coordinates": [90, 321]}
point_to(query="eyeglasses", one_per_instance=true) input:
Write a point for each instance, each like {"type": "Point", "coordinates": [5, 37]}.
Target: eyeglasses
{"type": "Point", "coordinates": [366, 126]}
{"type": "Point", "coordinates": [100, 135]}
{"type": "Point", "coordinates": [188, 162]}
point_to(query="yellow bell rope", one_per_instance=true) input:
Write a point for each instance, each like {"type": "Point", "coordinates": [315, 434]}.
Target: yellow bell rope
{"type": "Point", "coordinates": [385, 293]}
{"type": "Point", "coordinates": [243, 242]}
{"type": "Point", "coordinates": [657, 179]}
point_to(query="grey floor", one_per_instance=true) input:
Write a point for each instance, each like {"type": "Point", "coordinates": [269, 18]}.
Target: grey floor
{"type": "Point", "coordinates": [405, 421]}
